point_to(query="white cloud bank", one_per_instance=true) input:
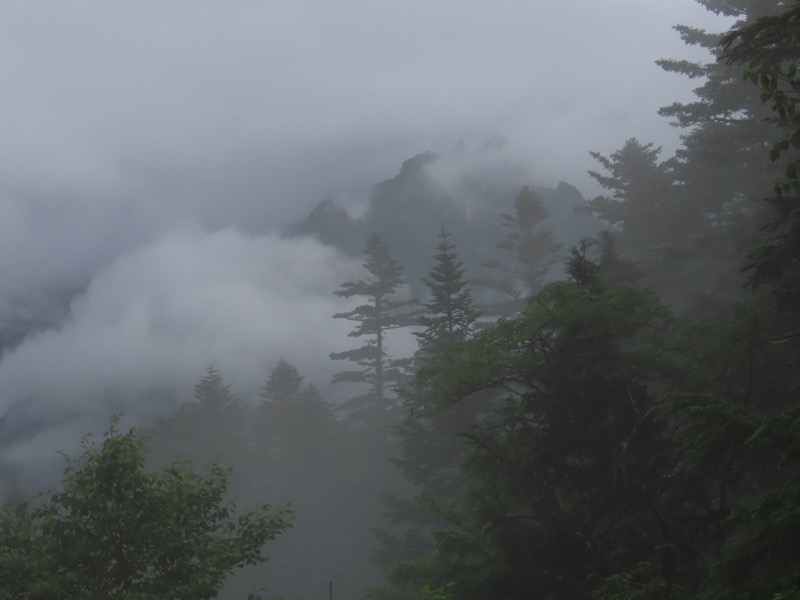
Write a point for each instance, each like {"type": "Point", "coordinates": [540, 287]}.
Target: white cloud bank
{"type": "Point", "coordinates": [122, 122]}
{"type": "Point", "coordinates": [152, 320]}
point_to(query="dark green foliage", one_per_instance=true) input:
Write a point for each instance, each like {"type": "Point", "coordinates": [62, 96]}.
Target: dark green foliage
{"type": "Point", "coordinates": [115, 530]}
{"type": "Point", "coordinates": [429, 450]}
{"type": "Point", "coordinates": [644, 208]}
{"type": "Point", "coordinates": [732, 421]}
{"type": "Point", "coordinates": [768, 48]}
{"type": "Point", "coordinates": [755, 433]}
{"type": "Point", "coordinates": [763, 555]}
{"type": "Point", "coordinates": [643, 582]}
{"type": "Point", "coordinates": [578, 483]}
{"type": "Point", "coordinates": [449, 316]}
{"type": "Point", "coordinates": [595, 263]}
{"type": "Point", "coordinates": [722, 166]}
{"type": "Point", "coordinates": [581, 268]}
{"type": "Point", "coordinates": [562, 461]}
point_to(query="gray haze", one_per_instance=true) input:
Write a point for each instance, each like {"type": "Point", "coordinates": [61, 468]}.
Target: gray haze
{"type": "Point", "coordinates": [151, 154]}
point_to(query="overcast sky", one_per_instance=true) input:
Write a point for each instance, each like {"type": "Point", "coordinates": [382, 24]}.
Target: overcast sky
{"type": "Point", "coordinates": [148, 149]}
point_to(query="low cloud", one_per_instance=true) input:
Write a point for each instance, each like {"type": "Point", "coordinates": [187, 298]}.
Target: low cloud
{"type": "Point", "coordinates": [152, 320]}
{"type": "Point", "coordinates": [149, 156]}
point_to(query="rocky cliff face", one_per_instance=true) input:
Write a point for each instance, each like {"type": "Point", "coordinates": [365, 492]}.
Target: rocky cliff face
{"type": "Point", "coordinates": [429, 193]}
{"type": "Point", "coordinates": [332, 225]}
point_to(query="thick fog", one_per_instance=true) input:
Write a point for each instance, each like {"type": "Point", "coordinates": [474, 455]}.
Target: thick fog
{"type": "Point", "coordinates": [152, 156]}
{"type": "Point", "coordinates": [154, 314]}
{"type": "Point", "coordinates": [150, 159]}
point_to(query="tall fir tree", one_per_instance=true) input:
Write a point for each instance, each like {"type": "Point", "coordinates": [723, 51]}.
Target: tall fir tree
{"type": "Point", "coordinates": [379, 314]}
{"type": "Point", "coordinates": [429, 449]}
{"type": "Point", "coordinates": [721, 165]}
{"type": "Point", "coordinates": [768, 51]}
{"type": "Point", "coordinates": [641, 208]}
{"type": "Point", "coordinates": [641, 193]}
{"type": "Point", "coordinates": [739, 430]}
{"type": "Point", "coordinates": [366, 465]}
{"type": "Point", "coordinates": [449, 315]}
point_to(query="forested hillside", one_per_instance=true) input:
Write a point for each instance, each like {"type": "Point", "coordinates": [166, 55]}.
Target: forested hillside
{"type": "Point", "coordinates": [534, 394]}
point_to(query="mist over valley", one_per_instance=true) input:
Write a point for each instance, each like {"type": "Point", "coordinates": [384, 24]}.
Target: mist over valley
{"type": "Point", "coordinates": [408, 302]}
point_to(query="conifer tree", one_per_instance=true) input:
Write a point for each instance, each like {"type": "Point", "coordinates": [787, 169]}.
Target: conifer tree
{"type": "Point", "coordinates": [364, 465]}
{"type": "Point", "coordinates": [641, 200]}
{"type": "Point", "coordinates": [581, 267]}
{"type": "Point", "coordinates": [449, 316]}
{"type": "Point", "coordinates": [206, 428]}
{"type": "Point", "coordinates": [677, 248]}
{"type": "Point", "coordinates": [293, 427]}
{"type": "Point", "coordinates": [378, 315]}
{"type": "Point", "coordinates": [299, 455]}
{"type": "Point", "coordinates": [768, 51]}
{"type": "Point", "coordinates": [721, 164]}
{"type": "Point", "coordinates": [594, 262]}
{"type": "Point", "coordinates": [736, 421]}
{"type": "Point", "coordinates": [531, 249]}
{"type": "Point", "coordinates": [429, 449]}
{"type": "Point", "coordinates": [292, 430]}
{"type": "Point", "coordinates": [213, 396]}
{"type": "Point", "coordinates": [563, 468]}
{"type": "Point", "coordinates": [291, 409]}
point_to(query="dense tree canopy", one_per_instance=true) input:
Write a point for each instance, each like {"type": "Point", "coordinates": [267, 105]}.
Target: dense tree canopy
{"type": "Point", "coordinates": [563, 444]}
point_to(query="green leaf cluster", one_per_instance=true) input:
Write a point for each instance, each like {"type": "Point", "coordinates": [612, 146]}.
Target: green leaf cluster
{"type": "Point", "coordinates": [113, 529]}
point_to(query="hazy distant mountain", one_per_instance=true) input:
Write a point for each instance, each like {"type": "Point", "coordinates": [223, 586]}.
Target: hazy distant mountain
{"type": "Point", "coordinates": [36, 311]}
{"type": "Point", "coordinates": [333, 225]}
{"type": "Point", "coordinates": [432, 191]}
